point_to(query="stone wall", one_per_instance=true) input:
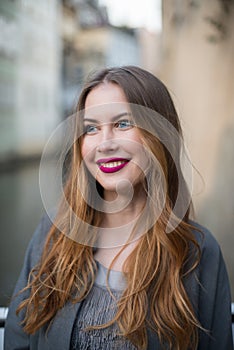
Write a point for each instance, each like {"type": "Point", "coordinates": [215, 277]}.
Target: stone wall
{"type": "Point", "coordinates": [197, 65]}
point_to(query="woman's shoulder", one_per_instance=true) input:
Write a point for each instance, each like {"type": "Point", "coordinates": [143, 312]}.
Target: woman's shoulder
{"type": "Point", "coordinates": [205, 238]}
{"type": "Point", "coordinates": [212, 296]}
{"type": "Point", "coordinates": [211, 265]}
{"type": "Point", "coordinates": [36, 244]}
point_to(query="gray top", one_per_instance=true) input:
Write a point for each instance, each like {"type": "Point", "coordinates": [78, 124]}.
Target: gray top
{"type": "Point", "coordinates": [98, 308]}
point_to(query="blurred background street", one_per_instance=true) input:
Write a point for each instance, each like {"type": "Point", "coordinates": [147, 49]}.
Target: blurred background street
{"type": "Point", "coordinates": [47, 49]}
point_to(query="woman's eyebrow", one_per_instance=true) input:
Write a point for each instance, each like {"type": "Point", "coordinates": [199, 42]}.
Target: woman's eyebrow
{"type": "Point", "coordinates": [112, 119]}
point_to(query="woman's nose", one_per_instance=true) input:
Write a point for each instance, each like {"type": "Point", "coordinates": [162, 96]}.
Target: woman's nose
{"type": "Point", "coordinates": [107, 146]}
{"type": "Point", "coordinates": [107, 141]}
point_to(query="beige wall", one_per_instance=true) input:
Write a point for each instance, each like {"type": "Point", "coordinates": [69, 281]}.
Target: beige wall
{"type": "Point", "coordinates": [200, 76]}
{"type": "Point", "coordinates": [150, 47]}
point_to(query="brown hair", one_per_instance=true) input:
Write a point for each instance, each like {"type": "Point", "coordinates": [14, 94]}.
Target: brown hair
{"type": "Point", "coordinates": [155, 280]}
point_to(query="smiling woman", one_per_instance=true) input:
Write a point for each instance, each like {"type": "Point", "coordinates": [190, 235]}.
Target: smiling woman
{"type": "Point", "coordinates": [111, 144]}
{"type": "Point", "coordinates": [164, 284]}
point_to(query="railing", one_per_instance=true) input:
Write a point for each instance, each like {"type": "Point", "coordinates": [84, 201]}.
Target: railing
{"type": "Point", "coordinates": [3, 315]}
{"type": "Point", "coordinates": [233, 315]}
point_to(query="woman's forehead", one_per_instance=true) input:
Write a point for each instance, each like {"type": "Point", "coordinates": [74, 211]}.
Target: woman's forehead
{"type": "Point", "coordinates": [105, 93]}
{"type": "Point", "coordinates": [107, 113]}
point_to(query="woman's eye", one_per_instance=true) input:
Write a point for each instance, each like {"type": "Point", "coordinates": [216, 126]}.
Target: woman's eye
{"type": "Point", "coordinates": [90, 129]}
{"type": "Point", "coordinates": [124, 124]}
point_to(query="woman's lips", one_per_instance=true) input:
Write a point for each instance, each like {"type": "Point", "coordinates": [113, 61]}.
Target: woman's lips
{"type": "Point", "coordinates": [113, 165]}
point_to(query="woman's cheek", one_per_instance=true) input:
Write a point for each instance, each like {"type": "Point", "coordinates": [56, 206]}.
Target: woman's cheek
{"type": "Point", "coordinates": [86, 150]}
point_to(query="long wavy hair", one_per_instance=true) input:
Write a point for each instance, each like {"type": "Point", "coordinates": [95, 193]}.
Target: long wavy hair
{"type": "Point", "coordinates": [155, 295]}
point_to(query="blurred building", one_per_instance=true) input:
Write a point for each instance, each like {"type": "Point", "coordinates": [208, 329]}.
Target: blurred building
{"type": "Point", "coordinates": [29, 76]}
{"type": "Point", "coordinates": [197, 65]}
{"type": "Point", "coordinates": [47, 49]}
{"type": "Point", "coordinates": [89, 43]}
{"type": "Point", "coordinates": [150, 47]}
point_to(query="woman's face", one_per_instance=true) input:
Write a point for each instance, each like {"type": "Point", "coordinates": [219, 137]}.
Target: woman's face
{"type": "Point", "coordinates": [112, 147]}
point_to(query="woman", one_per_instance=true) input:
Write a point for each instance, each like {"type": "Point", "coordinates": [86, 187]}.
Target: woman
{"type": "Point", "coordinates": [121, 265]}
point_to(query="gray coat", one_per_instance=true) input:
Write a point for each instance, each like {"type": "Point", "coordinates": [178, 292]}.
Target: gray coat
{"type": "Point", "coordinates": [210, 298]}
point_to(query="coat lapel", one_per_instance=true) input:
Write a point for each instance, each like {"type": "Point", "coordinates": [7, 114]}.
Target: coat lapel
{"type": "Point", "coordinates": [59, 333]}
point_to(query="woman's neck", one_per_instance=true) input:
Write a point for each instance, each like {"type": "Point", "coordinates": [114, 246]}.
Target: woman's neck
{"type": "Point", "coordinates": [117, 229]}
{"type": "Point", "coordinates": [122, 208]}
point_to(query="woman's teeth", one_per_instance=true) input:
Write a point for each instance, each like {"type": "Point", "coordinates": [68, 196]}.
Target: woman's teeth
{"type": "Point", "coordinates": [112, 164]}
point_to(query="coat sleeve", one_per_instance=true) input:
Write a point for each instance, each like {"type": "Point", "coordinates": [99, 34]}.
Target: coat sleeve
{"type": "Point", "coordinates": [14, 336]}
{"type": "Point", "coordinates": [214, 298]}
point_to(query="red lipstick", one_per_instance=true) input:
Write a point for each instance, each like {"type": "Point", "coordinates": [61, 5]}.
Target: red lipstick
{"type": "Point", "coordinates": [112, 165]}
